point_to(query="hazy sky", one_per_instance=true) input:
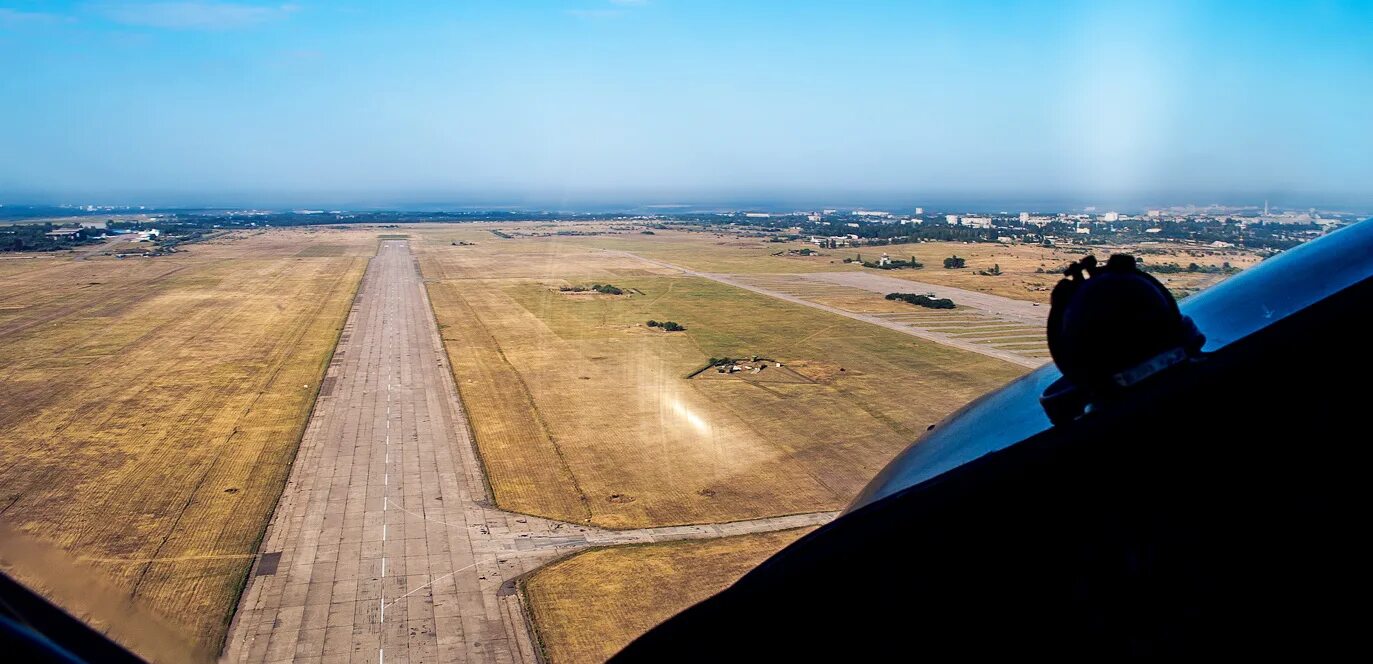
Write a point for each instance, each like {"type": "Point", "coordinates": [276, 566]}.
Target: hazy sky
{"type": "Point", "coordinates": [683, 100]}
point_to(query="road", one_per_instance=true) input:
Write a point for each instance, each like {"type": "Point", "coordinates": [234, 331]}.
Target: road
{"type": "Point", "coordinates": [742, 281]}
{"type": "Point", "coordinates": [385, 546]}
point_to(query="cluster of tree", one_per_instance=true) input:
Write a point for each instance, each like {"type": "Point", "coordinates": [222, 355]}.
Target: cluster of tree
{"type": "Point", "coordinates": [599, 288]}
{"type": "Point", "coordinates": [895, 264]}
{"type": "Point", "coordinates": [33, 237]}
{"type": "Point", "coordinates": [1174, 268]}
{"type": "Point", "coordinates": [954, 263]}
{"type": "Point", "coordinates": [922, 300]}
{"type": "Point", "coordinates": [667, 325]}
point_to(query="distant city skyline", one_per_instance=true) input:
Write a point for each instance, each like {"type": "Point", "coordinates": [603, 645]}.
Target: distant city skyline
{"type": "Point", "coordinates": [599, 104]}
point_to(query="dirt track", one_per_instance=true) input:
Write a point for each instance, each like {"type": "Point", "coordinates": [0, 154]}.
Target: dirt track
{"type": "Point", "coordinates": [385, 546]}
{"type": "Point", "coordinates": [998, 308]}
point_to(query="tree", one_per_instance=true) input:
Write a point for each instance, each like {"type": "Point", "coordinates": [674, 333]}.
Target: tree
{"type": "Point", "coordinates": [922, 300]}
{"type": "Point", "coordinates": [954, 262]}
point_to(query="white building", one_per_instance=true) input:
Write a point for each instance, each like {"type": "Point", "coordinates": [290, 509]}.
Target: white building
{"type": "Point", "coordinates": [757, 215]}
{"type": "Point", "coordinates": [920, 210]}
{"type": "Point", "coordinates": [977, 222]}
{"type": "Point", "coordinates": [1111, 216]}
{"type": "Point", "coordinates": [1024, 217]}
{"type": "Point", "coordinates": [952, 219]}
{"type": "Point", "coordinates": [871, 213]}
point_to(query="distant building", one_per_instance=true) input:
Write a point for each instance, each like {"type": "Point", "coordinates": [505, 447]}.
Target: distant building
{"type": "Point", "coordinates": [952, 219]}
{"type": "Point", "coordinates": [871, 213]}
{"type": "Point", "coordinates": [66, 233]}
{"type": "Point", "coordinates": [813, 217]}
{"type": "Point", "coordinates": [1083, 230]}
{"type": "Point", "coordinates": [757, 215]}
{"type": "Point", "coordinates": [1155, 214]}
{"type": "Point", "coordinates": [920, 210]}
{"type": "Point", "coordinates": [977, 222]}
{"type": "Point", "coordinates": [1005, 240]}
{"type": "Point", "coordinates": [884, 260]}
{"type": "Point", "coordinates": [1111, 216]}
{"type": "Point", "coordinates": [851, 225]}
{"type": "Point", "coordinates": [1024, 217]}
{"type": "Point", "coordinates": [831, 242]}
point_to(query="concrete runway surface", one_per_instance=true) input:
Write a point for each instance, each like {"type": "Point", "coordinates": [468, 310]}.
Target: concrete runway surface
{"type": "Point", "coordinates": [385, 546]}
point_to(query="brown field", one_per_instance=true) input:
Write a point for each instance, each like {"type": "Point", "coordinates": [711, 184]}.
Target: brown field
{"type": "Point", "coordinates": [152, 407]}
{"type": "Point", "coordinates": [582, 413]}
{"type": "Point", "coordinates": [589, 606]}
{"type": "Point", "coordinates": [731, 254]}
{"type": "Point", "coordinates": [1018, 263]}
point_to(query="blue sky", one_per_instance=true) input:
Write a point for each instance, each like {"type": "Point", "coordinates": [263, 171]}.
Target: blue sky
{"type": "Point", "coordinates": [560, 102]}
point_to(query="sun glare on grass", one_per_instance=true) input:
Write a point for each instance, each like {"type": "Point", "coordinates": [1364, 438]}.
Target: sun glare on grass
{"type": "Point", "coordinates": [681, 411]}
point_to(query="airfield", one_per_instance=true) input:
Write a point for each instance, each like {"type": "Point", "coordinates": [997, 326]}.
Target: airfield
{"type": "Point", "coordinates": [421, 444]}
{"type": "Point", "coordinates": [386, 546]}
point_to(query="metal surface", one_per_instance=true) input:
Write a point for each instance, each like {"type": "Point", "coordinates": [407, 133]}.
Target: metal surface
{"type": "Point", "coordinates": [1232, 310]}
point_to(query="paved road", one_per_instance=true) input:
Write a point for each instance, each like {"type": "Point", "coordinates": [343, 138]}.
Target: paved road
{"type": "Point", "coordinates": [385, 546]}
{"type": "Point", "coordinates": [741, 281]}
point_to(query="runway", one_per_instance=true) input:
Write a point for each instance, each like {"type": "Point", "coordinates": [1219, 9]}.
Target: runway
{"type": "Point", "coordinates": [385, 546]}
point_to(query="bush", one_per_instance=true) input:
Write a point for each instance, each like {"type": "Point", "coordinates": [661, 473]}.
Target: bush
{"type": "Point", "coordinates": [667, 325]}
{"type": "Point", "coordinates": [954, 262]}
{"type": "Point", "coordinates": [896, 264]}
{"type": "Point", "coordinates": [653, 323]}
{"type": "Point", "coordinates": [922, 300]}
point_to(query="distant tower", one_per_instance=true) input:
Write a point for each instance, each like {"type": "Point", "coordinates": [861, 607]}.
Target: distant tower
{"type": "Point", "coordinates": [1265, 207]}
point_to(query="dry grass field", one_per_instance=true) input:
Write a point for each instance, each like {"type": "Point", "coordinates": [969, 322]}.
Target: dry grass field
{"type": "Point", "coordinates": [589, 606]}
{"type": "Point", "coordinates": [583, 413]}
{"type": "Point", "coordinates": [732, 254]}
{"type": "Point", "coordinates": [151, 407]}
{"type": "Point", "coordinates": [1018, 264]}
